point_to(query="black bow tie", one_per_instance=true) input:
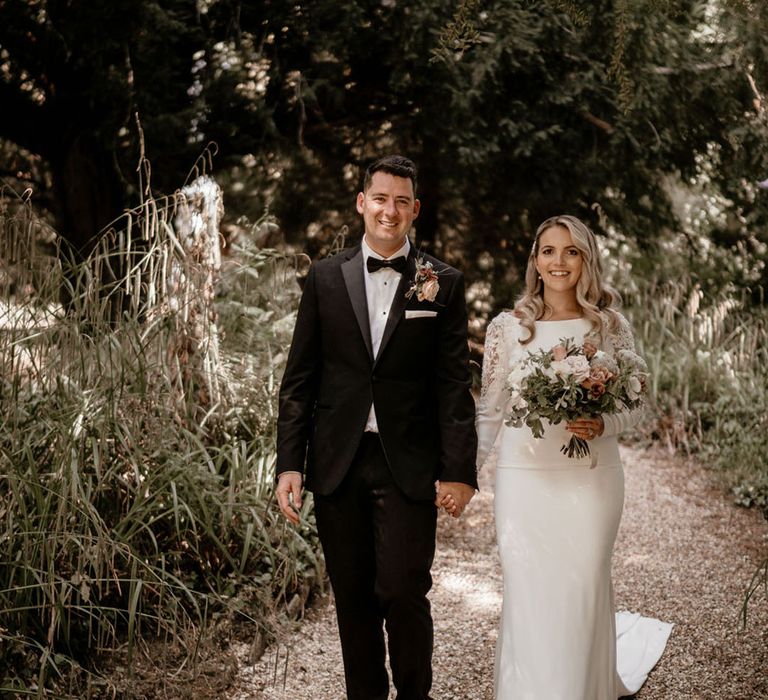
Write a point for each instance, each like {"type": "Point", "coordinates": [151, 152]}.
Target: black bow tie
{"type": "Point", "coordinates": [398, 264]}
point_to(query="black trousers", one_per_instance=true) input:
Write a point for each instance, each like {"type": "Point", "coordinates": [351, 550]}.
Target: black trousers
{"type": "Point", "coordinates": [379, 546]}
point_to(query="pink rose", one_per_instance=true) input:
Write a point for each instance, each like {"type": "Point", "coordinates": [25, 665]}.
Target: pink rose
{"type": "Point", "coordinates": [600, 374]}
{"type": "Point", "coordinates": [589, 349]}
{"type": "Point", "coordinates": [559, 352]}
{"type": "Point", "coordinates": [595, 388]}
{"type": "Point", "coordinates": [428, 290]}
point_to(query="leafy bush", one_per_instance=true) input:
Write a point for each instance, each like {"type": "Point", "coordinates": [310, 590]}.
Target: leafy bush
{"type": "Point", "coordinates": [136, 485]}
{"type": "Point", "coordinates": [708, 360]}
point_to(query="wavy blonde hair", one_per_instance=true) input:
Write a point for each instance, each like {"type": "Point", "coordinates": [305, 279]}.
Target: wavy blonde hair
{"type": "Point", "coordinates": [598, 300]}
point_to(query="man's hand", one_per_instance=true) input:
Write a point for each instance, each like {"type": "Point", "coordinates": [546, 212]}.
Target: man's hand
{"type": "Point", "coordinates": [453, 496]}
{"type": "Point", "coordinates": [288, 494]}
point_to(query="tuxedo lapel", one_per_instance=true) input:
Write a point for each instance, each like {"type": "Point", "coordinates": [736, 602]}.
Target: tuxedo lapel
{"type": "Point", "coordinates": [353, 273]}
{"type": "Point", "coordinates": [399, 302]}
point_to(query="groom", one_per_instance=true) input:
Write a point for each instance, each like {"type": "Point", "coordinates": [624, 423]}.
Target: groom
{"type": "Point", "coordinates": [375, 400]}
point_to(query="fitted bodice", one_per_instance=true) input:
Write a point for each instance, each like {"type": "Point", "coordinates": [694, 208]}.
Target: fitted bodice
{"type": "Point", "coordinates": [517, 448]}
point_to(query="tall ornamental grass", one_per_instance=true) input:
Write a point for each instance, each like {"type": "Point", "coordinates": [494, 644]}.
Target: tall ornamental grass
{"type": "Point", "coordinates": [135, 478]}
{"type": "Point", "coordinates": [708, 361]}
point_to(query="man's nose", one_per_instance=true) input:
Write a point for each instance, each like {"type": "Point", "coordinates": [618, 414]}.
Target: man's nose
{"type": "Point", "coordinates": [389, 208]}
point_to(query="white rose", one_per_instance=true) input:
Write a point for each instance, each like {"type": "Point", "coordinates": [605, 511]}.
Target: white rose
{"type": "Point", "coordinates": [428, 290]}
{"type": "Point", "coordinates": [576, 366]}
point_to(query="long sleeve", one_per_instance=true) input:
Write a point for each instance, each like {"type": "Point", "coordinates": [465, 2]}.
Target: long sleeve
{"type": "Point", "coordinates": [455, 406]}
{"type": "Point", "coordinates": [298, 388]}
{"type": "Point", "coordinates": [616, 423]}
{"type": "Point", "coordinates": [490, 410]}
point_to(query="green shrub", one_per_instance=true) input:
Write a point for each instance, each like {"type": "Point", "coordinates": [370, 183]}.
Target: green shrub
{"type": "Point", "coordinates": [707, 355]}
{"type": "Point", "coordinates": [135, 503]}
{"type": "Point", "coordinates": [708, 363]}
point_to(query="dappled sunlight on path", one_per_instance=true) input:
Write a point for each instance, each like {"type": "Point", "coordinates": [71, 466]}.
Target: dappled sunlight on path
{"type": "Point", "coordinates": [684, 555]}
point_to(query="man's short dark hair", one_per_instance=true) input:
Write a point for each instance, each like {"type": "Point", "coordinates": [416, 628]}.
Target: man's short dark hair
{"type": "Point", "coordinates": [399, 166]}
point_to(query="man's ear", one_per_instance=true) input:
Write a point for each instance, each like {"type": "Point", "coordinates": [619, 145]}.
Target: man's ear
{"type": "Point", "coordinates": [416, 207]}
{"type": "Point", "coordinates": [360, 201]}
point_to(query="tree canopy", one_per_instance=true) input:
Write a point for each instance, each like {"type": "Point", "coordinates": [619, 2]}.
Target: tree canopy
{"type": "Point", "coordinates": [514, 110]}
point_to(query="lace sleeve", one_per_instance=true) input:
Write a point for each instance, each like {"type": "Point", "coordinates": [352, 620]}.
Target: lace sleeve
{"type": "Point", "coordinates": [622, 339]}
{"type": "Point", "coordinates": [490, 410]}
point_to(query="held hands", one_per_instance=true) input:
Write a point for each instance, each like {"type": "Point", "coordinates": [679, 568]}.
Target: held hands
{"type": "Point", "coordinates": [288, 494]}
{"type": "Point", "coordinates": [586, 428]}
{"type": "Point", "coordinates": [453, 496]}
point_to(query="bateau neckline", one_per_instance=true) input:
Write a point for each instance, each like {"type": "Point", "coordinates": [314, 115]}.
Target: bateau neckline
{"type": "Point", "coordinates": [562, 320]}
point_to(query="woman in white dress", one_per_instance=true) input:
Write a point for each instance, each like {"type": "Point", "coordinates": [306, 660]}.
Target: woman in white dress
{"type": "Point", "coordinates": [557, 517]}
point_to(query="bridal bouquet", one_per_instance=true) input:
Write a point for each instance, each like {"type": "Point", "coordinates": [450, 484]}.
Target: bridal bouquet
{"type": "Point", "coordinates": [570, 381]}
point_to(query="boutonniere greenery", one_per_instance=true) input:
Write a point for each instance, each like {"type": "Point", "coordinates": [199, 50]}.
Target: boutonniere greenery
{"type": "Point", "coordinates": [425, 285]}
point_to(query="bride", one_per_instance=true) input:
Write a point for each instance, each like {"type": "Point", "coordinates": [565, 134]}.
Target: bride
{"type": "Point", "coordinates": [557, 517]}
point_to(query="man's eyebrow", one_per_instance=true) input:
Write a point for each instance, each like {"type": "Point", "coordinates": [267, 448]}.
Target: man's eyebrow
{"type": "Point", "coordinates": [386, 194]}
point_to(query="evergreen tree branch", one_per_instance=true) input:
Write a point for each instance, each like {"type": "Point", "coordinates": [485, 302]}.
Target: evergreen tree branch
{"type": "Point", "coordinates": [22, 121]}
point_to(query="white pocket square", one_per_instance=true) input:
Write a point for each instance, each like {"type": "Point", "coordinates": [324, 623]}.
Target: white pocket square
{"type": "Point", "coordinates": [420, 314]}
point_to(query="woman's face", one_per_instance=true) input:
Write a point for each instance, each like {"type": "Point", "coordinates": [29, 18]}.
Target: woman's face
{"type": "Point", "coordinates": [558, 261]}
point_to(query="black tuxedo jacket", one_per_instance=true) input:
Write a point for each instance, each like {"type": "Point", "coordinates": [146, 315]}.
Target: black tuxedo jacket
{"type": "Point", "coordinates": [419, 382]}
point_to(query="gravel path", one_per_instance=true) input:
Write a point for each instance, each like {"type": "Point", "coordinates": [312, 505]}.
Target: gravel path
{"type": "Point", "coordinates": [684, 554]}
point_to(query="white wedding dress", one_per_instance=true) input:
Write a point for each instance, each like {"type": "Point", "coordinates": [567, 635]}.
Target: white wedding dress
{"type": "Point", "coordinates": [556, 522]}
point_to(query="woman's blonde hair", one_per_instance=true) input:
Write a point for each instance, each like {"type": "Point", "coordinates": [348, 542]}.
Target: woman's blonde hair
{"type": "Point", "coordinates": [598, 300]}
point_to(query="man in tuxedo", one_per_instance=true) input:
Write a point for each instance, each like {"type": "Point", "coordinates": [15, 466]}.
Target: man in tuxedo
{"type": "Point", "coordinates": [375, 402]}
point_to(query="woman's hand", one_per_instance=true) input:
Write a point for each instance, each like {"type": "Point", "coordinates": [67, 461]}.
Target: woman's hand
{"type": "Point", "coordinates": [453, 496]}
{"type": "Point", "coordinates": [586, 428]}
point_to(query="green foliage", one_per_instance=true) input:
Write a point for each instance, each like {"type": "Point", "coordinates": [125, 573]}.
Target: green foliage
{"type": "Point", "coordinates": [73, 80]}
{"type": "Point", "coordinates": [708, 358]}
{"type": "Point", "coordinates": [707, 353]}
{"type": "Point", "coordinates": [460, 34]}
{"type": "Point", "coordinates": [130, 510]}
{"type": "Point", "coordinates": [646, 118]}
{"type": "Point", "coordinates": [514, 110]}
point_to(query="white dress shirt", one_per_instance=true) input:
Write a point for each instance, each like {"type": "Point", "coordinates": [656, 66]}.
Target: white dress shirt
{"type": "Point", "coordinates": [380, 289]}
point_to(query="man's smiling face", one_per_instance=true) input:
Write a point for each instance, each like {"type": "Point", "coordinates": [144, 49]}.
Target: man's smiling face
{"type": "Point", "coordinates": [388, 208]}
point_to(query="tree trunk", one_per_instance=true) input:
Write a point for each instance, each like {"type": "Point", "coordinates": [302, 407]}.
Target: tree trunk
{"type": "Point", "coordinates": [429, 193]}
{"type": "Point", "coordinates": [89, 190]}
